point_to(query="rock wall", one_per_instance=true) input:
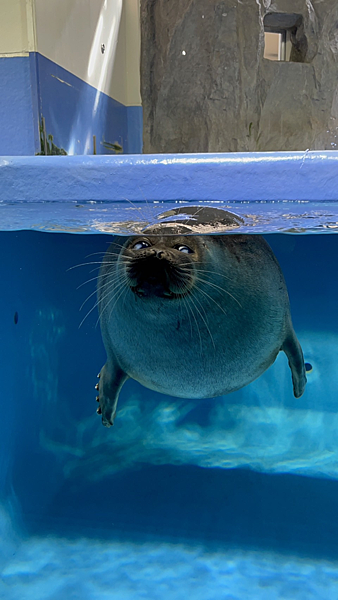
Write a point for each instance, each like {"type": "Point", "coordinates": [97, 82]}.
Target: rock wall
{"type": "Point", "coordinates": [207, 88]}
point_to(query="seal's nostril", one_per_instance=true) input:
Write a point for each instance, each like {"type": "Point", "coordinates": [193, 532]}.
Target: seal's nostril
{"type": "Point", "coordinates": [160, 253]}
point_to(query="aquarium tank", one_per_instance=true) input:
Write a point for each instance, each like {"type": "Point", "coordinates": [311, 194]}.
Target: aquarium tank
{"type": "Point", "coordinates": [211, 125]}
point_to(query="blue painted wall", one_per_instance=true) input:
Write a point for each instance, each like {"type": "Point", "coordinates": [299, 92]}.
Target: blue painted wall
{"type": "Point", "coordinates": [135, 129]}
{"type": "Point", "coordinates": [18, 110]}
{"type": "Point", "coordinates": [74, 111]}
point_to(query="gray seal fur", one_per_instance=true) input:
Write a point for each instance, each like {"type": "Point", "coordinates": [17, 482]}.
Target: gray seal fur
{"type": "Point", "coordinates": [192, 316]}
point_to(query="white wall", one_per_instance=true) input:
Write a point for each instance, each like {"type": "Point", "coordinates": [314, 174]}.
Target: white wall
{"type": "Point", "coordinates": [71, 32]}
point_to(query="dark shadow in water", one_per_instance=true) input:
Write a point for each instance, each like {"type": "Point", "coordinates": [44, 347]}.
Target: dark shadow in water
{"type": "Point", "coordinates": [218, 508]}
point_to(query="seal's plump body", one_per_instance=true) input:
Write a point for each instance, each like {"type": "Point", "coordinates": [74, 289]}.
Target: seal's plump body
{"type": "Point", "coordinates": [192, 316]}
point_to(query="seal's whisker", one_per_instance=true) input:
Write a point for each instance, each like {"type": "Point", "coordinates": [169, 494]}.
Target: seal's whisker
{"type": "Point", "coordinates": [197, 325]}
{"type": "Point", "coordinates": [96, 269]}
{"type": "Point", "coordinates": [147, 204]}
{"type": "Point", "coordinates": [85, 282]}
{"type": "Point", "coordinates": [116, 256]}
{"type": "Point", "coordinates": [140, 209]}
{"type": "Point", "coordinates": [116, 291]}
{"type": "Point", "coordinates": [119, 245]}
{"type": "Point", "coordinates": [183, 301]}
{"type": "Point", "coordinates": [111, 253]}
{"type": "Point", "coordinates": [198, 270]}
{"type": "Point", "coordinates": [86, 264]}
{"type": "Point", "coordinates": [88, 298]}
{"type": "Point", "coordinates": [191, 217]}
{"type": "Point", "coordinates": [101, 253]}
{"type": "Point", "coordinates": [111, 279]}
{"type": "Point", "coordinates": [110, 284]}
{"type": "Point", "coordinates": [126, 295]}
{"type": "Point", "coordinates": [211, 298]}
{"type": "Point", "coordinates": [123, 290]}
{"type": "Point", "coordinates": [188, 309]}
{"type": "Point", "coordinates": [96, 291]}
{"type": "Point", "coordinates": [112, 263]}
{"type": "Point", "coordinates": [205, 323]}
{"type": "Point", "coordinates": [116, 288]}
{"type": "Point", "coordinates": [198, 329]}
{"type": "Point", "coordinates": [204, 312]}
{"type": "Point", "coordinates": [213, 285]}
{"type": "Point", "coordinates": [99, 289]}
{"type": "Point", "coordinates": [108, 263]}
{"type": "Point", "coordinates": [95, 305]}
{"type": "Point", "coordinates": [115, 244]}
{"type": "Point", "coordinates": [88, 313]}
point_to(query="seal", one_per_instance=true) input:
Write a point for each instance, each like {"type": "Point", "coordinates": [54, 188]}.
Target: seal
{"type": "Point", "coordinates": [192, 316]}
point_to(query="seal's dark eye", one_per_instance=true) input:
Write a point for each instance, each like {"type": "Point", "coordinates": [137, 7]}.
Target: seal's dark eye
{"type": "Point", "coordinates": [140, 245]}
{"type": "Point", "coordinates": [184, 249]}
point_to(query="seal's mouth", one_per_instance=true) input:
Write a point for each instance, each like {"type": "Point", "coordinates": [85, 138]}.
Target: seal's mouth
{"type": "Point", "coordinates": [154, 277]}
{"type": "Point", "coordinates": [144, 290]}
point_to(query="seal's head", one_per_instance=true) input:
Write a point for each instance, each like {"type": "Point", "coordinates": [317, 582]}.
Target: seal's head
{"type": "Point", "coordinates": [160, 266]}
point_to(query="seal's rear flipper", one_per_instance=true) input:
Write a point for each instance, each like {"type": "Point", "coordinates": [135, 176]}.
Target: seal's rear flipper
{"type": "Point", "coordinates": [111, 380]}
{"type": "Point", "coordinates": [294, 353]}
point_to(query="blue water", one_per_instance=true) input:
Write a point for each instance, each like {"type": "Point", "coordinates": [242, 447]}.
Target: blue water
{"type": "Point", "coordinates": [230, 498]}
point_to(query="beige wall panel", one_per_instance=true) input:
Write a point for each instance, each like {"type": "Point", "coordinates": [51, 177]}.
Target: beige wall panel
{"type": "Point", "coordinates": [16, 27]}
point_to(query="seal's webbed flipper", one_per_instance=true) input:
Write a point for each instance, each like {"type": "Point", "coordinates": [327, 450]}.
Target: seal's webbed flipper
{"type": "Point", "coordinates": [294, 353]}
{"type": "Point", "coordinates": [111, 380]}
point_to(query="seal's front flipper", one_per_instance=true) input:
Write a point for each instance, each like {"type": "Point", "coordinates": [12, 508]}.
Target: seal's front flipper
{"type": "Point", "coordinates": [111, 380]}
{"type": "Point", "coordinates": [294, 353]}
